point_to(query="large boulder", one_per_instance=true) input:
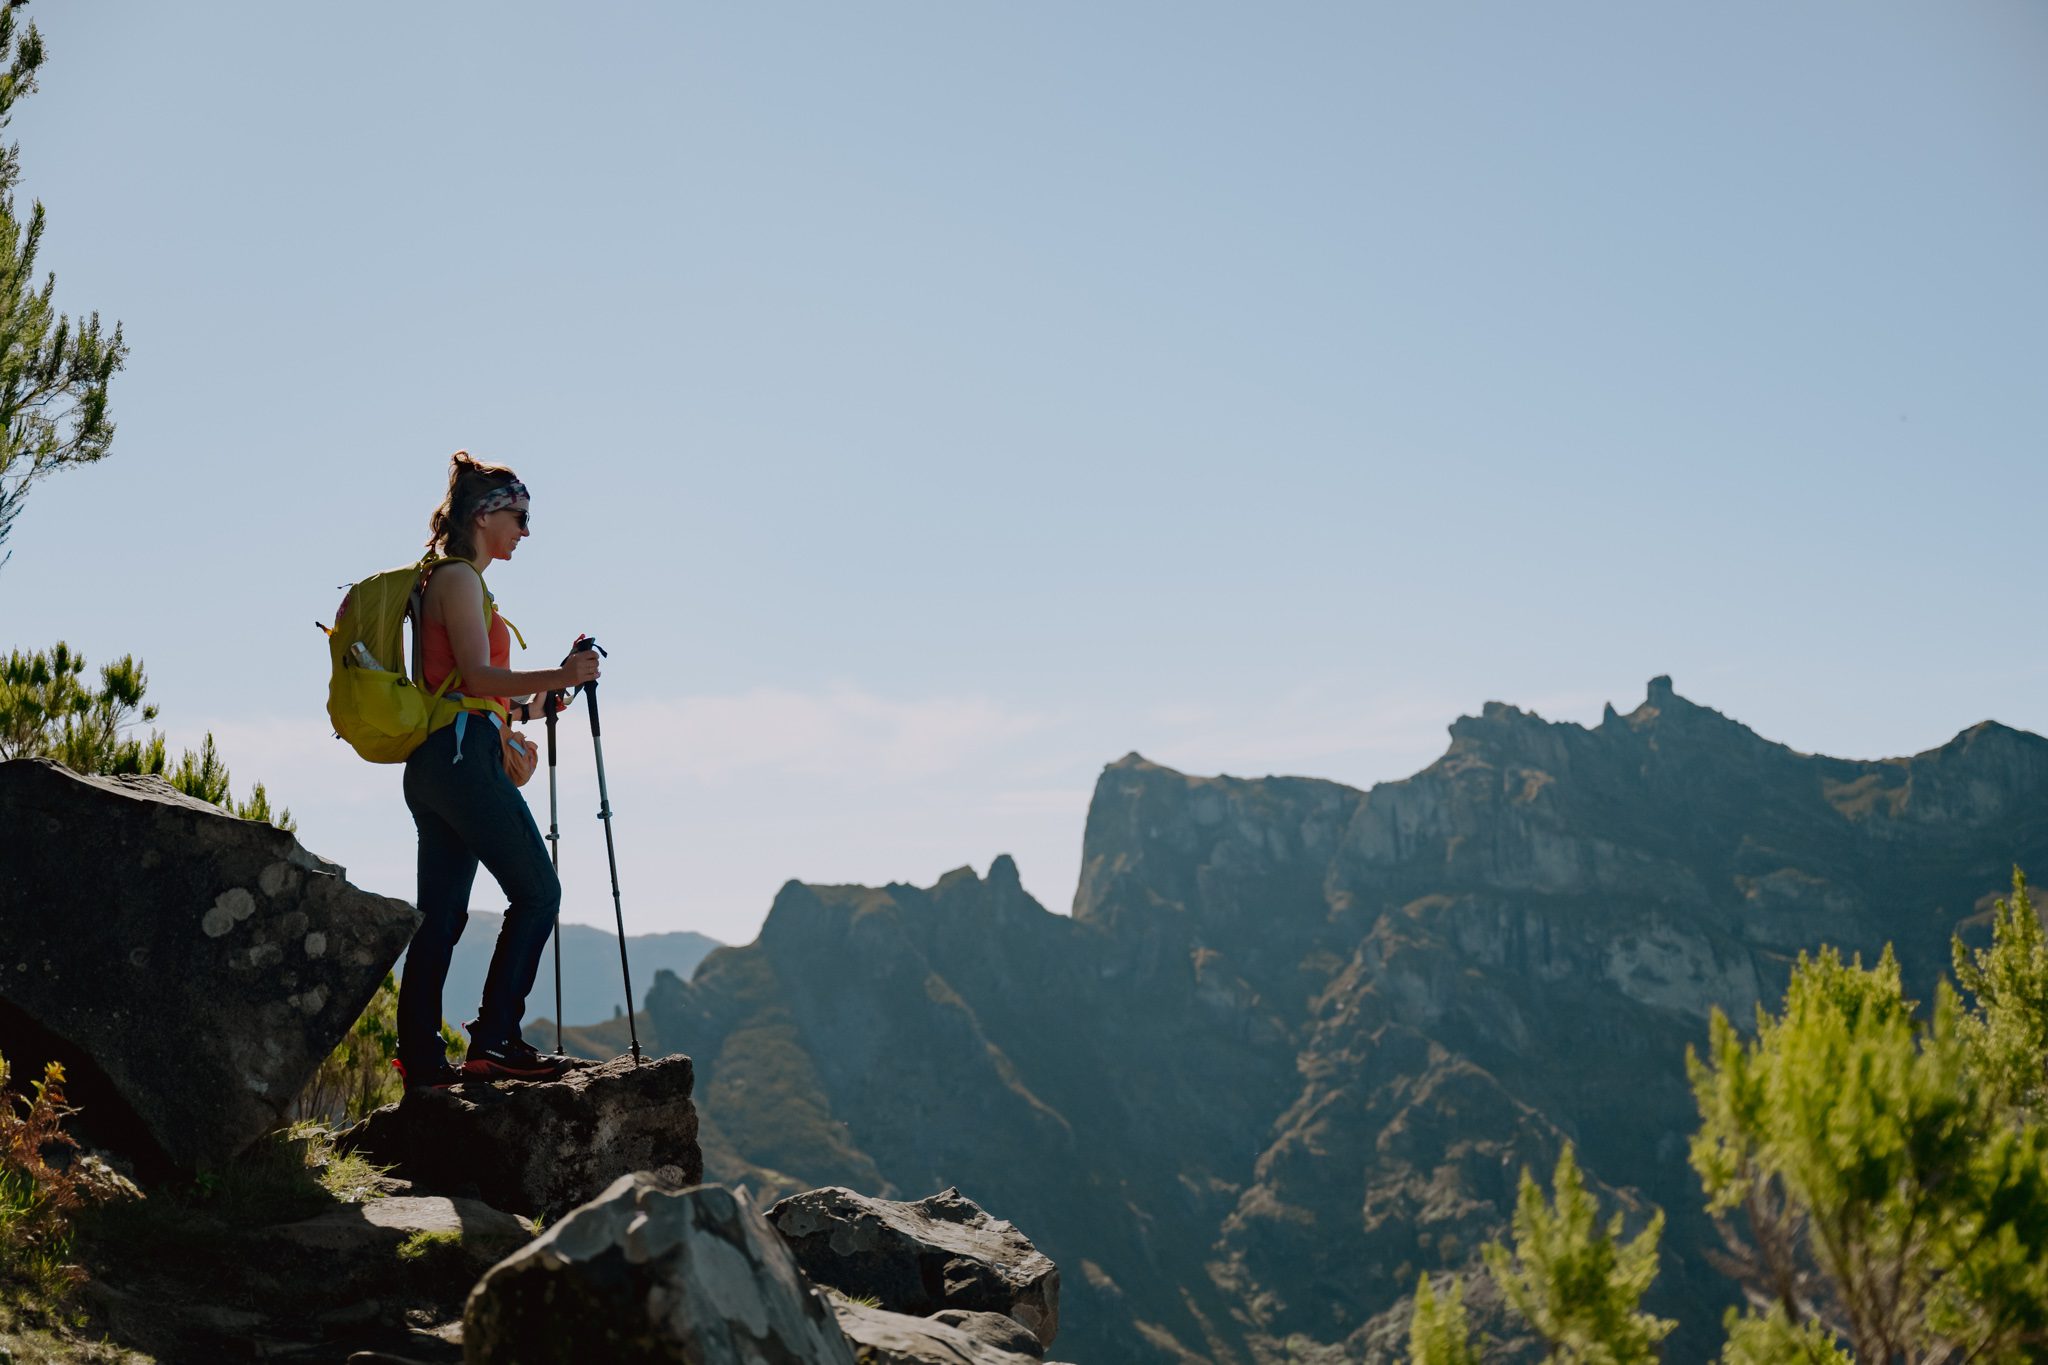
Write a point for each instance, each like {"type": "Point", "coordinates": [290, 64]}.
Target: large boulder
{"type": "Point", "coordinates": [921, 1258]}
{"type": "Point", "coordinates": [952, 1337]}
{"type": "Point", "coordinates": [542, 1147]}
{"type": "Point", "coordinates": [646, 1274]}
{"type": "Point", "coordinates": [190, 969]}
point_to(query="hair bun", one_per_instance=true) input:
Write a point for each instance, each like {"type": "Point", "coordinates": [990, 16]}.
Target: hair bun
{"type": "Point", "coordinates": [469, 481]}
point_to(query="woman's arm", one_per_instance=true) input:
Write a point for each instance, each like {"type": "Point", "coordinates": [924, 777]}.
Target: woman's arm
{"type": "Point", "coordinates": [458, 600]}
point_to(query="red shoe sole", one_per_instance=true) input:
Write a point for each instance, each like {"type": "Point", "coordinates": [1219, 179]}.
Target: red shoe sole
{"type": "Point", "coordinates": [410, 1084]}
{"type": "Point", "coordinates": [489, 1070]}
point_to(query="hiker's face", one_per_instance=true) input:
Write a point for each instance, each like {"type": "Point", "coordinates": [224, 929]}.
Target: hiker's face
{"type": "Point", "coordinates": [501, 531]}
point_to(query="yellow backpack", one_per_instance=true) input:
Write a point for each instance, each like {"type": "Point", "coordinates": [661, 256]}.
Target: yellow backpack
{"type": "Point", "coordinates": [380, 709]}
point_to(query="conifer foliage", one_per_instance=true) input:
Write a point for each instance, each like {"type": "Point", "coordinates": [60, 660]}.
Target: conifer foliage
{"type": "Point", "coordinates": [54, 371]}
{"type": "Point", "coordinates": [2007, 1032]}
{"type": "Point", "coordinates": [1880, 1174]}
{"type": "Point", "coordinates": [1886, 1198]}
{"type": "Point", "coordinates": [48, 710]}
{"type": "Point", "coordinates": [1439, 1333]}
{"type": "Point", "coordinates": [1575, 1282]}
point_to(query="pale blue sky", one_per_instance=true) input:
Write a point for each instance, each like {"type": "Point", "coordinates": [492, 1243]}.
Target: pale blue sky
{"type": "Point", "coordinates": [928, 404]}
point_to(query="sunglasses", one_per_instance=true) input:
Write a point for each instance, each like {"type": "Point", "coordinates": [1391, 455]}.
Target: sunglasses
{"type": "Point", "coordinates": [517, 516]}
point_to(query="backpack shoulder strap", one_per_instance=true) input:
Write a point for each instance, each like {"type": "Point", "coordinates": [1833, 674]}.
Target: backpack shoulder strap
{"type": "Point", "coordinates": [416, 612]}
{"type": "Point", "coordinates": [490, 600]}
{"type": "Point", "coordinates": [416, 609]}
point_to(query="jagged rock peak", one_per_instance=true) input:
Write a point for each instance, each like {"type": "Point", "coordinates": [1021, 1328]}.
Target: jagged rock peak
{"type": "Point", "coordinates": [1986, 732]}
{"type": "Point", "coordinates": [962, 875]}
{"type": "Point", "coordinates": [795, 911]}
{"type": "Point", "coordinates": [1660, 698]}
{"type": "Point", "coordinates": [1665, 713]}
{"type": "Point", "coordinates": [1500, 725]}
{"type": "Point", "coordinates": [806, 916]}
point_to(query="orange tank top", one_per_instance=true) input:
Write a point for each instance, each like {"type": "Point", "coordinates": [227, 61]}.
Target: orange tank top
{"type": "Point", "coordinates": [437, 656]}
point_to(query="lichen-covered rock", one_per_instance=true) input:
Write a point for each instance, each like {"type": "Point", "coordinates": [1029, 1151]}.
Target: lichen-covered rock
{"type": "Point", "coordinates": [949, 1338]}
{"type": "Point", "coordinates": [920, 1258]}
{"type": "Point", "coordinates": [542, 1147]}
{"type": "Point", "coordinates": [645, 1274]}
{"type": "Point", "coordinates": [190, 969]}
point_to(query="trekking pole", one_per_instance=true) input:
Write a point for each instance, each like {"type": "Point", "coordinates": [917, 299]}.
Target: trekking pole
{"type": "Point", "coordinates": [555, 857]}
{"type": "Point", "coordinates": [604, 813]}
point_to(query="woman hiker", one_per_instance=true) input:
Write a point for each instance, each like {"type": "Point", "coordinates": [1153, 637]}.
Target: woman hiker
{"type": "Point", "coordinates": [464, 802]}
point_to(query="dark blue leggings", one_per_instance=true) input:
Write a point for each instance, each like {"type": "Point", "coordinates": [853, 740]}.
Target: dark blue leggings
{"type": "Point", "coordinates": [469, 812]}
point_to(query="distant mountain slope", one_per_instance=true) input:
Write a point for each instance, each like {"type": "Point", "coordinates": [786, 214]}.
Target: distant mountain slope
{"type": "Point", "coordinates": [601, 1041]}
{"type": "Point", "coordinates": [592, 990]}
{"type": "Point", "coordinates": [1297, 1041]}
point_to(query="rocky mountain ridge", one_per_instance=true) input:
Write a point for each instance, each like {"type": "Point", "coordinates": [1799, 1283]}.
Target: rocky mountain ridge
{"type": "Point", "coordinates": [1297, 1040]}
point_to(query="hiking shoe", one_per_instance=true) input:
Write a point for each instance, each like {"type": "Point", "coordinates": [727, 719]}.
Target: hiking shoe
{"type": "Point", "coordinates": [514, 1059]}
{"type": "Point", "coordinates": [433, 1075]}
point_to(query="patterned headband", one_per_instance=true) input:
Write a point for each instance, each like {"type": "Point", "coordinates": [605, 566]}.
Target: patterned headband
{"type": "Point", "coordinates": [511, 494]}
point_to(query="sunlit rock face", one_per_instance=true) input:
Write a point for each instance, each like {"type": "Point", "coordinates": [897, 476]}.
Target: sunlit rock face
{"type": "Point", "coordinates": [1297, 1041]}
{"type": "Point", "coordinates": [645, 1273]}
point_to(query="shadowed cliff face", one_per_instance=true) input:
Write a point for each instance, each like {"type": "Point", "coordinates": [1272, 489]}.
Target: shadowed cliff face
{"type": "Point", "coordinates": [1297, 1041]}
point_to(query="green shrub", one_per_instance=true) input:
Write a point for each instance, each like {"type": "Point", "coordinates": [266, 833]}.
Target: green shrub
{"type": "Point", "coordinates": [1438, 1333]}
{"type": "Point", "coordinates": [357, 1077]}
{"type": "Point", "coordinates": [1575, 1282]}
{"type": "Point", "coordinates": [2006, 1034]}
{"type": "Point", "coordinates": [1876, 1176]}
{"type": "Point", "coordinates": [1880, 1175]}
{"type": "Point", "coordinates": [38, 1195]}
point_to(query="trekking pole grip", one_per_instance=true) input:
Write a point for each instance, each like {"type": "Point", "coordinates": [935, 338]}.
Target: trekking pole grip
{"type": "Point", "coordinates": [584, 642]}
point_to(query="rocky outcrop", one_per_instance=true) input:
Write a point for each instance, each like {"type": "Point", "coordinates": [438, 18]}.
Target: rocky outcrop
{"type": "Point", "coordinates": [992, 1331]}
{"type": "Point", "coordinates": [370, 1258]}
{"type": "Point", "coordinates": [364, 1233]}
{"type": "Point", "coordinates": [541, 1148]}
{"type": "Point", "coordinates": [935, 1255]}
{"type": "Point", "coordinates": [1297, 1041]}
{"type": "Point", "coordinates": [646, 1274]}
{"type": "Point", "coordinates": [953, 1338]}
{"type": "Point", "coordinates": [190, 969]}
{"type": "Point", "coordinates": [386, 1277]}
